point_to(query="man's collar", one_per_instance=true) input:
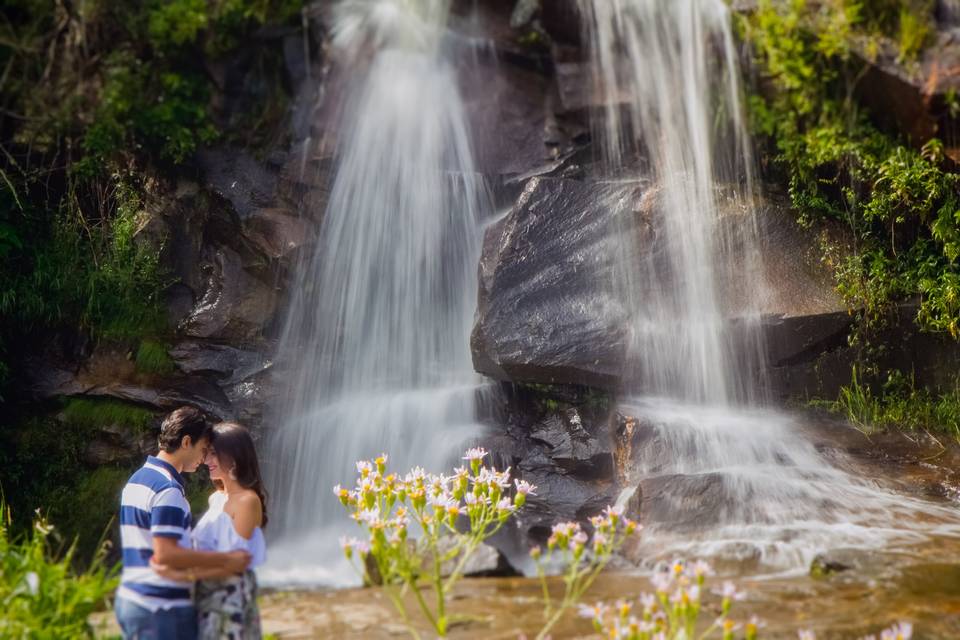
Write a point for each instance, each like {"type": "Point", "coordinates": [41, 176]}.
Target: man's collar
{"type": "Point", "coordinates": [169, 467]}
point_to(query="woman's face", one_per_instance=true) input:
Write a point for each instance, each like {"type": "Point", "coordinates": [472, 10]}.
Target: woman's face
{"type": "Point", "coordinates": [213, 465]}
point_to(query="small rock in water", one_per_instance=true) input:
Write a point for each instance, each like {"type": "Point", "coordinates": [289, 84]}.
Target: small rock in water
{"type": "Point", "coordinates": [824, 565]}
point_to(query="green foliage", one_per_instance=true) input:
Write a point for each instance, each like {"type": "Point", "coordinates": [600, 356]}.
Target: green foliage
{"type": "Point", "coordinates": [901, 205]}
{"type": "Point", "coordinates": [152, 357]}
{"type": "Point", "coordinates": [89, 512]}
{"type": "Point", "coordinates": [88, 414]}
{"type": "Point", "coordinates": [42, 595]}
{"type": "Point", "coordinates": [898, 404]}
{"type": "Point", "coordinates": [141, 108]}
{"type": "Point", "coordinates": [176, 22]}
{"type": "Point", "coordinates": [42, 466]}
{"type": "Point", "coordinates": [914, 34]}
{"type": "Point", "coordinates": [92, 93]}
{"type": "Point", "coordinates": [87, 272]}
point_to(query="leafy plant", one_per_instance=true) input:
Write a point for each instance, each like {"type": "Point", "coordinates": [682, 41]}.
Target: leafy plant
{"type": "Point", "coordinates": [567, 546]}
{"type": "Point", "coordinates": [672, 611]}
{"type": "Point", "coordinates": [899, 404]}
{"type": "Point", "coordinates": [454, 515]}
{"type": "Point", "coordinates": [901, 205]}
{"type": "Point", "coordinates": [42, 596]}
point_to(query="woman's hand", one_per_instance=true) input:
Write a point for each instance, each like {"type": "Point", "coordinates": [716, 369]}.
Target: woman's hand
{"type": "Point", "coordinates": [168, 572]}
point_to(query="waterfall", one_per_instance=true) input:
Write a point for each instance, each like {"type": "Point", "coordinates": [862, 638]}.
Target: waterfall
{"type": "Point", "coordinates": [376, 339]}
{"type": "Point", "coordinates": [667, 78]}
{"type": "Point", "coordinates": [719, 478]}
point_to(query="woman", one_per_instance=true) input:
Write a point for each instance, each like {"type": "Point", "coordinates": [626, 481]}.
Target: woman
{"type": "Point", "coordinates": [227, 603]}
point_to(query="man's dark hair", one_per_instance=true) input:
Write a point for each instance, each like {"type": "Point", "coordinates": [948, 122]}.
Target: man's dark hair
{"type": "Point", "coordinates": [185, 421]}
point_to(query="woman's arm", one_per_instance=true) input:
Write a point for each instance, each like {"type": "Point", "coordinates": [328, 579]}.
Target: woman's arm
{"type": "Point", "coordinates": [248, 514]}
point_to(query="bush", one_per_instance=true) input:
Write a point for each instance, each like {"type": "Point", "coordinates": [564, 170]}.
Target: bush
{"type": "Point", "coordinates": [898, 404]}
{"type": "Point", "coordinates": [94, 92]}
{"type": "Point", "coordinates": [42, 595]}
{"type": "Point", "coordinates": [901, 205]}
{"type": "Point", "coordinates": [87, 414]}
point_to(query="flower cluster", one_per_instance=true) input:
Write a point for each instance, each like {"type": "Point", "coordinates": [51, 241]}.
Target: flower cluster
{"type": "Point", "coordinates": [672, 610]}
{"type": "Point", "coordinates": [385, 504]}
{"type": "Point", "coordinates": [409, 519]}
{"type": "Point", "coordinates": [899, 631]}
{"type": "Point", "coordinates": [610, 530]}
{"type": "Point", "coordinates": [583, 557]}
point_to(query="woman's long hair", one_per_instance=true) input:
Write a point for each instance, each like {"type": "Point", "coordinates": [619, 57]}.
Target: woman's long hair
{"type": "Point", "coordinates": [232, 442]}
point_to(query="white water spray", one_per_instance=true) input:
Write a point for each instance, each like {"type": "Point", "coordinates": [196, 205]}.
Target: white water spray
{"type": "Point", "coordinates": [377, 336]}
{"type": "Point", "coordinates": [728, 482]}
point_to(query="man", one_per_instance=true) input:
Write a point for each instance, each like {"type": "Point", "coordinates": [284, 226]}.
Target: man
{"type": "Point", "coordinates": [155, 522]}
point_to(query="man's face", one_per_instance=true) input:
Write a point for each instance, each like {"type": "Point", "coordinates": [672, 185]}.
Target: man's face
{"type": "Point", "coordinates": [194, 454]}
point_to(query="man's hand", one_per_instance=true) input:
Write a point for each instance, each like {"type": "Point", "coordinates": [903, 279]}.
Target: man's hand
{"type": "Point", "coordinates": [237, 561]}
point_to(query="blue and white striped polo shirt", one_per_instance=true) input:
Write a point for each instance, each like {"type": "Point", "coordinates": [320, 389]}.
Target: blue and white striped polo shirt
{"type": "Point", "coordinates": [152, 504]}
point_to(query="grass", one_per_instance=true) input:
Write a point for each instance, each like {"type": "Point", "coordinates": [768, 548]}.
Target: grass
{"type": "Point", "coordinates": [899, 404]}
{"type": "Point", "coordinates": [152, 357]}
{"type": "Point", "coordinates": [93, 413]}
{"type": "Point", "coordinates": [99, 494]}
{"type": "Point", "coordinates": [42, 595]}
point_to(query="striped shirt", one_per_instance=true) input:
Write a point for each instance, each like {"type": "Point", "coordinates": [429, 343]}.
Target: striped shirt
{"type": "Point", "coordinates": [152, 504]}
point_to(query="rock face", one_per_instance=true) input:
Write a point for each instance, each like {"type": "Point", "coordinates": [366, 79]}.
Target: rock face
{"type": "Point", "coordinates": [546, 310]}
{"type": "Point", "coordinates": [234, 305]}
{"type": "Point", "coordinates": [559, 439]}
{"type": "Point", "coordinates": [912, 98]}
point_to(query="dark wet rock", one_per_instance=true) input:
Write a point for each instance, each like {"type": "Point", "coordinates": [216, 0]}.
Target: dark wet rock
{"type": "Point", "coordinates": [237, 176]}
{"type": "Point", "coordinates": [571, 448]}
{"type": "Point", "coordinates": [277, 232]}
{"type": "Point", "coordinates": [196, 392]}
{"type": "Point", "coordinates": [229, 364]}
{"type": "Point", "coordinates": [685, 502]}
{"type": "Point", "coordinates": [178, 301]}
{"type": "Point", "coordinates": [559, 440]}
{"type": "Point", "coordinates": [813, 358]}
{"type": "Point", "coordinates": [118, 444]}
{"type": "Point", "coordinates": [233, 304]}
{"type": "Point", "coordinates": [948, 14]}
{"type": "Point", "coordinates": [544, 314]}
{"type": "Point", "coordinates": [296, 56]}
{"type": "Point", "coordinates": [109, 372]}
{"type": "Point", "coordinates": [825, 564]}
{"type": "Point", "coordinates": [251, 397]}
{"type": "Point", "coordinates": [509, 111]}
{"type": "Point", "coordinates": [486, 561]}
{"type": "Point", "coordinates": [561, 19]}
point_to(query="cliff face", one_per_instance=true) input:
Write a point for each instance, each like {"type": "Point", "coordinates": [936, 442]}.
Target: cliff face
{"type": "Point", "coordinates": [232, 231]}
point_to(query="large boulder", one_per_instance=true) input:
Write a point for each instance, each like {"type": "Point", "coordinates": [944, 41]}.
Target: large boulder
{"type": "Point", "coordinates": [549, 313]}
{"type": "Point", "coordinates": [234, 305]}
{"type": "Point", "coordinates": [912, 97]}
{"type": "Point", "coordinates": [546, 312]}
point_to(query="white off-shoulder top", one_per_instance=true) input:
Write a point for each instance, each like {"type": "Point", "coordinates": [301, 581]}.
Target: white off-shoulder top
{"type": "Point", "coordinates": [215, 532]}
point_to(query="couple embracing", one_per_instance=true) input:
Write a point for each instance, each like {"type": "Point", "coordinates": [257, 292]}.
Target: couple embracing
{"type": "Point", "coordinates": [183, 581]}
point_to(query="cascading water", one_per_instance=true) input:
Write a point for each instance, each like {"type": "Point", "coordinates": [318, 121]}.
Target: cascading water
{"type": "Point", "coordinates": [720, 479]}
{"type": "Point", "coordinates": [377, 336]}
{"type": "Point", "coordinates": [665, 70]}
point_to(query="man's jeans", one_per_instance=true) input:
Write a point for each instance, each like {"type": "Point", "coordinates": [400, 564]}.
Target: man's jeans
{"type": "Point", "coordinates": [138, 623]}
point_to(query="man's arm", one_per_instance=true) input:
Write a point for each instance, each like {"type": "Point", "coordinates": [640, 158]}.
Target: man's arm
{"type": "Point", "coordinates": [167, 552]}
{"type": "Point", "coordinates": [169, 523]}
{"type": "Point", "coordinates": [190, 575]}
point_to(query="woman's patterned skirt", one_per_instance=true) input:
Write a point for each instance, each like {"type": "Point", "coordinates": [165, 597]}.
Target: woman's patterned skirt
{"type": "Point", "coordinates": [227, 608]}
